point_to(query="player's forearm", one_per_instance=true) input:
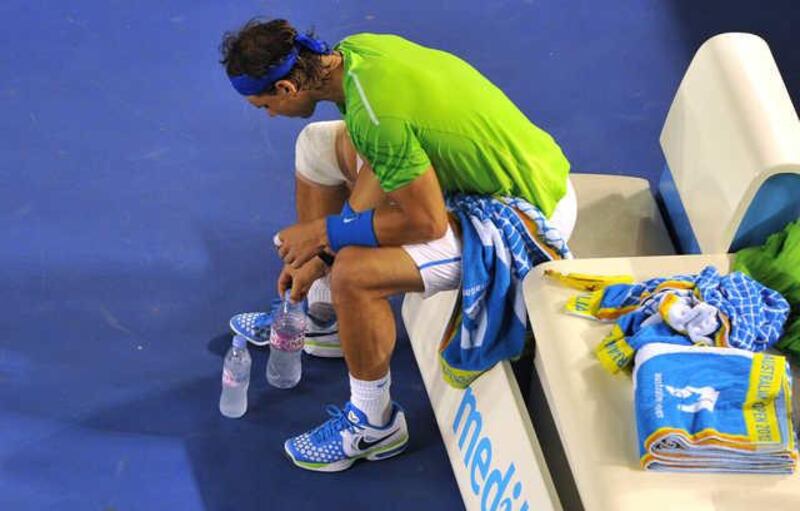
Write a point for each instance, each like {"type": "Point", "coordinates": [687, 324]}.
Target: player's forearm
{"type": "Point", "coordinates": [392, 225]}
{"type": "Point", "coordinates": [414, 213]}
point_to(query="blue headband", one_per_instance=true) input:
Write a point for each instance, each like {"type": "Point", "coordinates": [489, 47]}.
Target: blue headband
{"type": "Point", "coordinates": [247, 85]}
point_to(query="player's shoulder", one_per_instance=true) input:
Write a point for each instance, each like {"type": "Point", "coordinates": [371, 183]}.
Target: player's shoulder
{"type": "Point", "coordinates": [372, 40]}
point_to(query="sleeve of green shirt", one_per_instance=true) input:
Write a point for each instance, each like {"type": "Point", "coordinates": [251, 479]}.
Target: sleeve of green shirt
{"type": "Point", "coordinates": [393, 150]}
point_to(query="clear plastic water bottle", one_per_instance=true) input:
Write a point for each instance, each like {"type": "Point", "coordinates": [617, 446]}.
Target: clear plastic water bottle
{"type": "Point", "coordinates": [235, 379]}
{"type": "Point", "coordinates": [286, 340]}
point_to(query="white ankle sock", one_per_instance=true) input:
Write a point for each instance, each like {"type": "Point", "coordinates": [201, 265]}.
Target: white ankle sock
{"type": "Point", "coordinates": [372, 398]}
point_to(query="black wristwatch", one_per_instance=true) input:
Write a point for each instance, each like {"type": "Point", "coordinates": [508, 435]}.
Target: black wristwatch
{"type": "Point", "coordinates": [326, 258]}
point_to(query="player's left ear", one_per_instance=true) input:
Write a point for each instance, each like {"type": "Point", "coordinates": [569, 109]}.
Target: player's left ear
{"type": "Point", "coordinates": [285, 88]}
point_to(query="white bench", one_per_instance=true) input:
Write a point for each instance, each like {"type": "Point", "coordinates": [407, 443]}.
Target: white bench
{"type": "Point", "coordinates": [731, 102]}
{"type": "Point", "coordinates": [593, 410]}
{"type": "Point", "coordinates": [730, 141]}
{"type": "Point", "coordinates": [637, 228]}
{"type": "Point", "coordinates": [492, 410]}
{"type": "Point", "coordinates": [616, 217]}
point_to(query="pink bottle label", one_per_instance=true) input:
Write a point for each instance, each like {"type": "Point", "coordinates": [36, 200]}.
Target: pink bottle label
{"type": "Point", "coordinates": [228, 379]}
{"type": "Point", "coordinates": [285, 342]}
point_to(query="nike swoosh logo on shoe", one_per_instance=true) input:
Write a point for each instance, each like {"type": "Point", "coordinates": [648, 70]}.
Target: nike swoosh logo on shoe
{"type": "Point", "coordinates": [364, 444]}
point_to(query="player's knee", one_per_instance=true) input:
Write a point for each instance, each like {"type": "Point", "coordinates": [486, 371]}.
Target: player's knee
{"type": "Point", "coordinates": [346, 278]}
{"type": "Point", "coordinates": [308, 137]}
{"type": "Point", "coordinates": [315, 153]}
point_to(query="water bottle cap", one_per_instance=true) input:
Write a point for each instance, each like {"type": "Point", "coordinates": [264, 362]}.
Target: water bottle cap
{"type": "Point", "coordinates": [239, 341]}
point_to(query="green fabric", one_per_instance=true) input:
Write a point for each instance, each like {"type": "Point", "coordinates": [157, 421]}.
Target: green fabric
{"type": "Point", "coordinates": [408, 107]}
{"type": "Point", "coordinates": [776, 264]}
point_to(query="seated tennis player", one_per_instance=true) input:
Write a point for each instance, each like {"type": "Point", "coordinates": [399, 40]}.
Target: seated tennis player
{"type": "Point", "coordinates": [417, 123]}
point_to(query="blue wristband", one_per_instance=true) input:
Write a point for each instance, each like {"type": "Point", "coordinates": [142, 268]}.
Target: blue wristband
{"type": "Point", "coordinates": [351, 228]}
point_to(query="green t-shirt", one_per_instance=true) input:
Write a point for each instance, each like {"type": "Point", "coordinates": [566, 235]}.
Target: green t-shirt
{"type": "Point", "coordinates": [408, 107]}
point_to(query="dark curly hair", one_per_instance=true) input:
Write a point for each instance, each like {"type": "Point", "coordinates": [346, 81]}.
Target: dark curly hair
{"type": "Point", "coordinates": [260, 44]}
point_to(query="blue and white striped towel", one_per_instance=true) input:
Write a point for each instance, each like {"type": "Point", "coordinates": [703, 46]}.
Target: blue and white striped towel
{"type": "Point", "coordinates": [502, 239]}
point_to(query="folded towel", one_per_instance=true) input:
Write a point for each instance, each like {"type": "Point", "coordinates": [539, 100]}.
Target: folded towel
{"type": "Point", "coordinates": [713, 410]}
{"type": "Point", "coordinates": [502, 239]}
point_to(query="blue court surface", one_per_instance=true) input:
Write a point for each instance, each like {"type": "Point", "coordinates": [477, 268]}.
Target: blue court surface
{"type": "Point", "coordinates": [138, 198]}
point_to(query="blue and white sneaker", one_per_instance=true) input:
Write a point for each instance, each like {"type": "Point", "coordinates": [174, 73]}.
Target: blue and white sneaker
{"type": "Point", "coordinates": [346, 437]}
{"type": "Point", "coordinates": [322, 338]}
{"type": "Point", "coordinates": [255, 326]}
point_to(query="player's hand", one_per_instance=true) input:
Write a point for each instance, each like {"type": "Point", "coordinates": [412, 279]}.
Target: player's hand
{"type": "Point", "coordinates": [300, 280]}
{"type": "Point", "coordinates": [302, 242]}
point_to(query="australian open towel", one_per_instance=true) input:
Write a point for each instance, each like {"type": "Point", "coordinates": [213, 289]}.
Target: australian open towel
{"type": "Point", "coordinates": [731, 311]}
{"type": "Point", "coordinates": [502, 239]}
{"type": "Point", "coordinates": [713, 410]}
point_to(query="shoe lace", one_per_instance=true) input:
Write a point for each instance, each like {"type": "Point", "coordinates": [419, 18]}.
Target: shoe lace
{"type": "Point", "coordinates": [331, 428]}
